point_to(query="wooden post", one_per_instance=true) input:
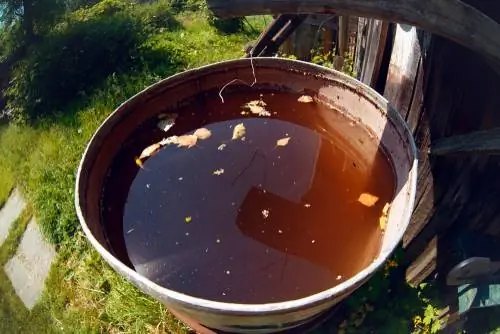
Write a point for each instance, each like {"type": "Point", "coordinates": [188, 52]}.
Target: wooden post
{"type": "Point", "coordinates": [343, 38]}
{"type": "Point", "coordinates": [375, 44]}
{"type": "Point", "coordinates": [403, 69]}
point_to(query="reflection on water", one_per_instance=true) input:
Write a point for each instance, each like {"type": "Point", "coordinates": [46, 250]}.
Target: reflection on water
{"type": "Point", "coordinates": [249, 220]}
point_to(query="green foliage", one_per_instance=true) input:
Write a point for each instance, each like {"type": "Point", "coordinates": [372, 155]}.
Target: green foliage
{"type": "Point", "coordinates": [387, 304]}
{"type": "Point", "coordinates": [189, 5]}
{"type": "Point", "coordinates": [35, 16]}
{"type": "Point", "coordinates": [329, 60]}
{"type": "Point", "coordinates": [227, 26]}
{"type": "Point", "coordinates": [91, 44]}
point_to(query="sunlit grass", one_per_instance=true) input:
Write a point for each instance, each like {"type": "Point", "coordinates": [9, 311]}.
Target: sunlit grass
{"type": "Point", "coordinates": [82, 293]}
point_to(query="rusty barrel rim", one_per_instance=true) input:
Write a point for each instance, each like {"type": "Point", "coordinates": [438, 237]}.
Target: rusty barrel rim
{"type": "Point", "coordinates": [268, 308]}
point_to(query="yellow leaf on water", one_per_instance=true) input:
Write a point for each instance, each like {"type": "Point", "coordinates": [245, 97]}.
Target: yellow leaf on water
{"type": "Point", "coordinates": [385, 210]}
{"type": "Point", "coordinates": [239, 131]}
{"type": "Point", "coordinates": [283, 141]}
{"type": "Point", "coordinates": [382, 222]}
{"type": "Point", "coordinates": [367, 199]}
{"type": "Point", "coordinates": [187, 141]}
{"type": "Point", "coordinates": [138, 162]}
{"type": "Point", "coordinates": [150, 151]}
{"type": "Point", "coordinates": [169, 140]}
{"type": "Point", "coordinates": [188, 219]}
{"type": "Point", "coordinates": [257, 107]}
{"type": "Point", "coordinates": [219, 171]}
{"type": "Point", "coordinates": [305, 99]}
{"type": "Point", "coordinates": [384, 219]}
{"type": "Point", "coordinates": [203, 133]}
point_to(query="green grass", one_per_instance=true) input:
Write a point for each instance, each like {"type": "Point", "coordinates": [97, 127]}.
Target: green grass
{"type": "Point", "coordinates": [15, 317]}
{"type": "Point", "coordinates": [6, 177]}
{"type": "Point", "coordinates": [83, 295]}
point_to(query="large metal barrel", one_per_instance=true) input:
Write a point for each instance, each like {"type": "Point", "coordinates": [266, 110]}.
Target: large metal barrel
{"type": "Point", "coordinates": [342, 92]}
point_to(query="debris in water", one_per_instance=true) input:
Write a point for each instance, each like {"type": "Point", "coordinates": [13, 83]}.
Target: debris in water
{"type": "Point", "coordinates": [239, 131]}
{"type": "Point", "coordinates": [305, 99]}
{"type": "Point", "coordinates": [265, 213]}
{"type": "Point", "coordinates": [228, 272]}
{"type": "Point", "coordinates": [280, 231]}
{"type": "Point", "coordinates": [367, 199]}
{"type": "Point", "coordinates": [167, 122]}
{"type": "Point", "coordinates": [217, 241]}
{"type": "Point", "coordinates": [130, 231]}
{"type": "Point", "coordinates": [257, 107]}
{"type": "Point", "coordinates": [382, 221]}
{"type": "Point", "coordinates": [150, 151]}
{"type": "Point", "coordinates": [221, 147]}
{"type": "Point", "coordinates": [169, 140]}
{"type": "Point", "coordinates": [283, 141]}
{"type": "Point", "coordinates": [307, 205]}
{"type": "Point", "coordinates": [313, 241]}
{"type": "Point", "coordinates": [385, 210]}
{"type": "Point", "coordinates": [139, 163]}
{"type": "Point", "coordinates": [187, 141]}
{"type": "Point", "coordinates": [202, 133]}
{"type": "Point", "coordinates": [339, 277]}
{"type": "Point", "coordinates": [188, 219]}
{"type": "Point", "coordinates": [219, 171]}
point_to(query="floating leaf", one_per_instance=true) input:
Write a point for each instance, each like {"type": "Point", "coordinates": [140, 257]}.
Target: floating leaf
{"type": "Point", "coordinates": [138, 162]}
{"type": "Point", "coordinates": [367, 199]}
{"type": "Point", "coordinates": [169, 140]}
{"type": "Point", "coordinates": [167, 122]}
{"type": "Point", "coordinates": [239, 131]}
{"type": "Point", "coordinates": [150, 151]}
{"type": "Point", "coordinates": [382, 221]}
{"type": "Point", "coordinates": [305, 99]}
{"type": "Point", "coordinates": [219, 171]}
{"type": "Point", "coordinates": [203, 133]}
{"type": "Point", "coordinates": [188, 219]}
{"type": "Point", "coordinates": [221, 147]}
{"type": "Point", "coordinates": [283, 141]}
{"type": "Point", "coordinates": [385, 210]}
{"type": "Point", "coordinates": [257, 107]}
{"type": "Point", "coordinates": [187, 141]}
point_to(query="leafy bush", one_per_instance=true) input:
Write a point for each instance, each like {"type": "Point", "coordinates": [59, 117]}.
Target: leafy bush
{"type": "Point", "coordinates": [227, 26]}
{"type": "Point", "coordinates": [70, 62]}
{"type": "Point", "coordinates": [188, 5]}
{"type": "Point", "coordinates": [80, 52]}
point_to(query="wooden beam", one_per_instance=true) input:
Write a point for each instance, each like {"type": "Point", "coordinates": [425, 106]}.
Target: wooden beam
{"type": "Point", "coordinates": [375, 45]}
{"type": "Point", "coordinates": [485, 142]}
{"type": "Point", "coordinates": [452, 19]}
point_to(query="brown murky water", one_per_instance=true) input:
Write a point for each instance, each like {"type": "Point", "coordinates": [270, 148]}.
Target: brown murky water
{"type": "Point", "coordinates": [250, 220]}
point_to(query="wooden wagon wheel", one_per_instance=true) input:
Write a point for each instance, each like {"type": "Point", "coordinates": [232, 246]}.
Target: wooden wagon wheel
{"type": "Point", "coordinates": [452, 19]}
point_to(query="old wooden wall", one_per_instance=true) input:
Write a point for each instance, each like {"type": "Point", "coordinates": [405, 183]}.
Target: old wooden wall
{"type": "Point", "coordinates": [443, 90]}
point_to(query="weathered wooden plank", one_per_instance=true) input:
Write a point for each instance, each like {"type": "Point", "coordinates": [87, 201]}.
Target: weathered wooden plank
{"type": "Point", "coordinates": [403, 69]}
{"type": "Point", "coordinates": [484, 142]}
{"type": "Point", "coordinates": [361, 39]}
{"type": "Point", "coordinates": [424, 265]}
{"type": "Point", "coordinates": [375, 44]}
{"type": "Point", "coordinates": [452, 19]}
